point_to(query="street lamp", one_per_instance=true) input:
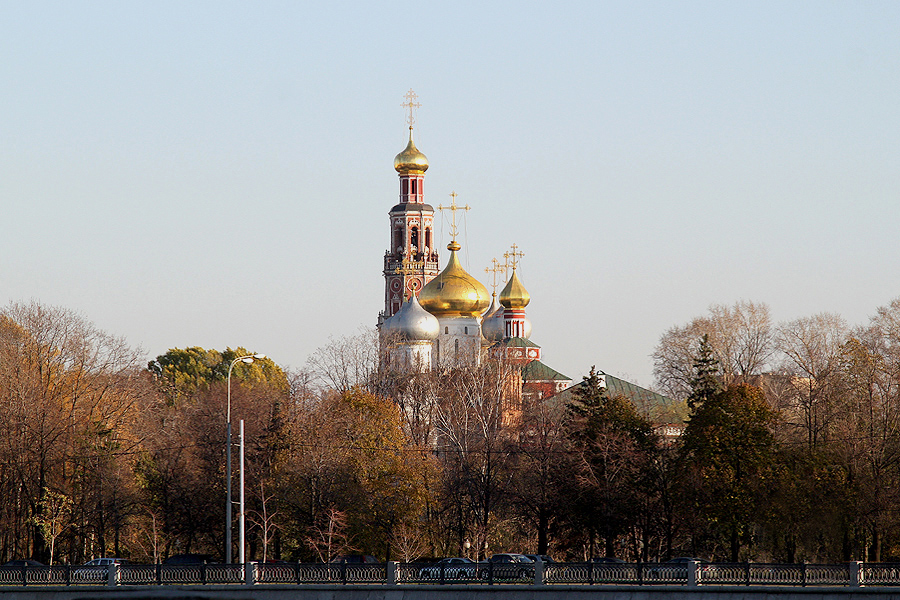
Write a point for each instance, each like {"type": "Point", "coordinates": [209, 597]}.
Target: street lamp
{"type": "Point", "coordinates": [249, 358]}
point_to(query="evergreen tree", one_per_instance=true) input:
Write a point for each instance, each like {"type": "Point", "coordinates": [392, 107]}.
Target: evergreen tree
{"type": "Point", "coordinates": [706, 382]}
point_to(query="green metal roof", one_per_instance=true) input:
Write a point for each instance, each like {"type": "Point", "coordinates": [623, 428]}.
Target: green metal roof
{"type": "Point", "coordinates": [642, 398]}
{"type": "Point", "coordinates": [518, 342]}
{"type": "Point", "coordinates": [538, 371]}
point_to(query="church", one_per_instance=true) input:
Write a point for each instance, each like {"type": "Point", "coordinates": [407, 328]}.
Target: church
{"type": "Point", "coordinates": [436, 319]}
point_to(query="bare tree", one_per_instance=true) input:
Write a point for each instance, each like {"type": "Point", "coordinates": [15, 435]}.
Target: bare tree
{"type": "Point", "coordinates": [347, 361]}
{"type": "Point", "coordinates": [328, 536]}
{"type": "Point", "coordinates": [741, 337]}
{"type": "Point", "coordinates": [812, 351]}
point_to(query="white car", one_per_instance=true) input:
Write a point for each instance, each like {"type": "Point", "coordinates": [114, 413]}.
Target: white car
{"type": "Point", "coordinates": [97, 569]}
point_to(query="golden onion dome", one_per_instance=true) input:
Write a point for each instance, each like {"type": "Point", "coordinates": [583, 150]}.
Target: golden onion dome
{"type": "Point", "coordinates": [454, 293]}
{"type": "Point", "coordinates": [410, 160]}
{"type": "Point", "coordinates": [514, 295]}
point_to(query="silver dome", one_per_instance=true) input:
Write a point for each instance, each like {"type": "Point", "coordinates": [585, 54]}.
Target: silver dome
{"type": "Point", "coordinates": [412, 322]}
{"type": "Point", "coordinates": [493, 328]}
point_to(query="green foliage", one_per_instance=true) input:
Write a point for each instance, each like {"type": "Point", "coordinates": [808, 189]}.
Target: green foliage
{"type": "Point", "coordinates": [181, 373]}
{"type": "Point", "coordinates": [729, 445]}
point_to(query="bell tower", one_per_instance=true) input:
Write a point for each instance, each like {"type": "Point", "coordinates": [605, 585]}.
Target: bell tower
{"type": "Point", "coordinates": [411, 260]}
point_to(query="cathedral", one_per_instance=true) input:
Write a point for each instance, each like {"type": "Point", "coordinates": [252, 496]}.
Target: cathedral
{"type": "Point", "coordinates": [437, 319]}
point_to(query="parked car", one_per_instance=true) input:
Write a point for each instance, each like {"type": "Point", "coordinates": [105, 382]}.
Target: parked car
{"type": "Point", "coordinates": [355, 559]}
{"type": "Point", "coordinates": [507, 566]}
{"type": "Point", "coordinates": [542, 557]}
{"type": "Point", "coordinates": [96, 569]}
{"type": "Point", "coordinates": [452, 568]}
{"type": "Point", "coordinates": [23, 562]}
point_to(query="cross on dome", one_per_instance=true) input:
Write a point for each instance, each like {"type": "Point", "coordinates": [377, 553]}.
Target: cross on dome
{"type": "Point", "coordinates": [410, 104]}
{"type": "Point", "coordinates": [493, 271]}
{"type": "Point", "coordinates": [453, 208]}
{"type": "Point", "coordinates": [515, 255]}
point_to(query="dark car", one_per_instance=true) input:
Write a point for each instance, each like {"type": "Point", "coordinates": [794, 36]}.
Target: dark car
{"type": "Point", "coordinates": [507, 566]}
{"type": "Point", "coordinates": [355, 559]}
{"type": "Point", "coordinates": [450, 568]}
{"type": "Point", "coordinates": [542, 557]}
{"type": "Point", "coordinates": [24, 562]}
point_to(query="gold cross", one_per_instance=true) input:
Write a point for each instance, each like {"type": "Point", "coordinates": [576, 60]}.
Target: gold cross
{"type": "Point", "coordinates": [514, 255]}
{"type": "Point", "coordinates": [494, 270]}
{"type": "Point", "coordinates": [404, 268]}
{"type": "Point", "coordinates": [453, 208]}
{"type": "Point", "coordinates": [411, 104]}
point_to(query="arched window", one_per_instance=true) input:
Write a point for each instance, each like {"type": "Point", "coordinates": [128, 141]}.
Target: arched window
{"type": "Point", "coordinates": [428, 238]}
{"type": "Point", "coordinates": [414, 237]}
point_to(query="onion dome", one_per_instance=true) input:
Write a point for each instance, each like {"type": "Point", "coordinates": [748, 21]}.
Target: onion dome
{"type": "Point", "coordinates": [493, 327]}
{"type": "Point", "coordinates": [514, 295]}
{"type": "Point", "coordinates": [410, 160]}
{"type": "Point", "coordinates": [492, 308]}
{"type": "Point", "coordinates": [412, 322]}
{"type": "Point", "coordinates": [454, 293]}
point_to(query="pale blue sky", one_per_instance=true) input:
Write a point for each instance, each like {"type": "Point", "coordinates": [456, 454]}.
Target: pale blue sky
{"type": "Point", "coordinates": [219, 173]}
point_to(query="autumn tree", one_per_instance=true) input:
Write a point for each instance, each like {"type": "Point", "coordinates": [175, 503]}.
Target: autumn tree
{"type": "Point", "coordinates": [614, 444]}
{"type": "Point", "coordinates": [471, 434]}
{"type": "Point", "coordinates": [543, 461]}
{"type": "Point", "coordinates": [728, 444]}
{"type": "Point", "coordinates": [68, 395]}
{"type": "Point", "coordinates": [181, 469]}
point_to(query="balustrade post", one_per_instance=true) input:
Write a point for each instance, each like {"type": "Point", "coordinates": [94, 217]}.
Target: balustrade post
{"type": "Point", "coordinates": [112, 575]}
{"type": "Point", "coordinates": [250, 573]}
{"type": "Point", "coordinates": [693, 573]}
{"type": "Point", "coordinates": [539, 572]}
{"type": "Point", "coordinates": [392, 572]}
{"type": "Point", "coordinates": [857, 574]}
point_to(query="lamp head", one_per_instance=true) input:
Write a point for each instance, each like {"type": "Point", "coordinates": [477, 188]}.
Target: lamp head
{"type": "Point", "coordinates": [259, 356]}
{"type": "Point", "coordinates": [247, 360]}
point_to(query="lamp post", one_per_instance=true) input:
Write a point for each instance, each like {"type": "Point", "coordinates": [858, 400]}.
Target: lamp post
{"type": "Point", "coordinates": [249, 358]}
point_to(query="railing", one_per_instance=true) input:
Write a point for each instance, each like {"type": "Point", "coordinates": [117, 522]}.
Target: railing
{"type": "Point", "coordinates": [854, 574]}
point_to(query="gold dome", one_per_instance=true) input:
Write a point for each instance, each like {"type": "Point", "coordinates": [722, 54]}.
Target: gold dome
{"type": "Point", "coordinates": [454, 293]}
{"type": "Point", "coordinates": [410, 160]}
{"type": "Point", "coordinates": [514, 295]}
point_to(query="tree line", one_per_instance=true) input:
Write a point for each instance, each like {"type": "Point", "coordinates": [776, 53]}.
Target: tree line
{"type": "Point", "coordinates": [788, 451]}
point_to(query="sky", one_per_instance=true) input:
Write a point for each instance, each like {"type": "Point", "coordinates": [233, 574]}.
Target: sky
{"type": "Point", "coordinates": [219, 174]}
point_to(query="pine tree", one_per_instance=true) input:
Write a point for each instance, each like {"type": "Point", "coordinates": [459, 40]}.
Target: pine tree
{"type": "Point", "coordinates": [706, 381]}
